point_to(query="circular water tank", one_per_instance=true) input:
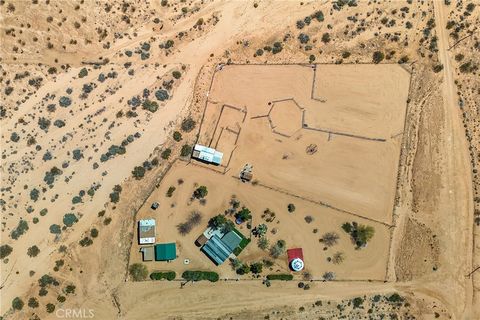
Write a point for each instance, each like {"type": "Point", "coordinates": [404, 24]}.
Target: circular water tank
{"type": "Point", "coordinates": [296, 264]}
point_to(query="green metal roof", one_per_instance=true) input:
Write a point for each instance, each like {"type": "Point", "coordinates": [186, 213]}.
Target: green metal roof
{"type": "Point", "coordinates": [165, 251]}
{"type": "Point", "coordinates": [232, 240]}
{"type": "Point", "coordinates": [216, 250]}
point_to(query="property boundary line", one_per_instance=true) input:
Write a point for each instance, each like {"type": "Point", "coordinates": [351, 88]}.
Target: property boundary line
{"type": "Point", "coordinates": [318, 202]}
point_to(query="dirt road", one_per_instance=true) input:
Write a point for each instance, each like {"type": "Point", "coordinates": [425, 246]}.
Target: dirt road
{"type": "Point", "coordinates": [458, 172]}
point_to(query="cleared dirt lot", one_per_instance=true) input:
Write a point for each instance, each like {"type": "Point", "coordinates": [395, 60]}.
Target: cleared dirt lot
{"type": "Point", "coordinates": [356, 129]}
{"type": "Point", "coordinates": [290, 227]}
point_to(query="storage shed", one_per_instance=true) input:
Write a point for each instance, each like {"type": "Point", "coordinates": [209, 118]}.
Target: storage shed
{"type": "Point", "coordinates": [165, 251]}
{"type": "Point", "coordinates": [207, 154]}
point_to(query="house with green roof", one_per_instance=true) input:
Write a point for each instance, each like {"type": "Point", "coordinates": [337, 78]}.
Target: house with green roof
{"type": "Point", "coordinates": [219, 249]}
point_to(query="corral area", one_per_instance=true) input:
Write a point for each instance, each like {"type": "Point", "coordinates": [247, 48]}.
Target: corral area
{"type": "Point", "coordinates": [333, 156]}
{"type": "Point", "coordinates": [351, 116]}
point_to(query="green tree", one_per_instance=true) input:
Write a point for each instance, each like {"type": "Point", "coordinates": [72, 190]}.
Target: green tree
{"type": "Point", "coordinates": [244, 214]}
{"type": "Point", "coordinates": [33, 251]}
{"type": "Point", "coordinates": [186, 150]}
{"type": "Point", "coordinates": [138, 172]}
{"type": "Point", "coordinates": [378, 56]}
{"type": "Point", "coordinates": [177, 136]}
{"type": "Point", "coordinates": [256, 267]}
{"type": "Point", "coordinates": [33, 302]}
{"type": "Point", "coordinates": [17, 304]}
{"type": "Point", "coordinates": [5, 251]}
{"type": "Point", "coordinates": [218, 221]}
{"type": "Point", "coordinates": [201, 192]}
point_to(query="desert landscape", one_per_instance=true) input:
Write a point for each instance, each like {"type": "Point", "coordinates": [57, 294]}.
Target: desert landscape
{"type": "Point", "coordinates": [211, 159]}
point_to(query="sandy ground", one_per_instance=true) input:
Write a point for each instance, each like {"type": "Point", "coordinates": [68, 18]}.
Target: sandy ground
{"type": "Point", "coordinates": [433, 200]}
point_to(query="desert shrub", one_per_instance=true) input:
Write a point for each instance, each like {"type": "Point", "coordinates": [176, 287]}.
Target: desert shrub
{"type": "Point", "coordinates": [43, 123]}
{"type": "Point", "coordinates": [76, 199]}
{"type": "Point", "coordinates": [94, 233]}
{"type": "Point", "coordinates": [256, 267]}
{"type": "Point", "coordinates": [200, 275]}
{"type": "Point", "coordinates": [303, 38]}
{"type": "Point", "coordinates": [21, 228]}
{"type": "Point", "coordinates": [69, 219]}
{"type": "Point", "coordinates": [168, 275]}
{"type": "Point", "coordinates": [328, 276]}
{"type": "Point", "coordinates": [308, 219]}
{"type": "Point", "coordinates": [50, 307]}
{"type": "Point", "coordinates": [395, 298]}
{"type": "Point", "coordinates": [403, 59]}
{"type": "Point", "coordinates": [138, 172]}
{"type": "Point", "coordinates": [176, 74]}
{"type": "Point", "coordinates": [378, 56]}
{"type": "Point", "coordinates": [326, 37]}
{"type": "Point", "coordinates": [70, 289]}
{"type": "Point", "coordinates": [170, 191]}
{"type": "Point", "coordinates": [200, 193]}
{"type": "Point", "coordinates": [284, 277]}
{"type": "Point", "coordinates": [17, 304]}
{"type": "Point", "coordinates": [138, 271]}
{"type": "Point", "coordinates": [55, 229]}
{"type": "Point", "coordinates": [193, 220]}
{"type": "Point", "coordinates": [186, 150]}
{"type": "Point", "coordinates": [14, 137]}
{"type": "Point", "coordinates": [468, 67]}
{"type": "Point", "coordinates": [47, 280]}
{"type": "Point", "coordinates": [319, 16]}
{"type": "Point", "coordinates": [85, 242]}
{"type": "Point", "coordinates": [161, 94]}
{"type": "Point", "coordinates": [259, 52]}
{"type": "Point", "coordinates": [330, 239]}
{"type": "Point", "coordinates": [357, 302]}
{"type": "Point", "coordinates": [263, 243]}
{"type": "Point", "coordinates": [437, 68]}
{"type": "Point", "coordinates": [107, 221]}
{"type": "Point", "coordinates": [5, 251]}
{"type": "Point", "coordinates": [277, 47]}
{"type": "Point", "coordinates": [34, 193]}
{"type": "Point", "coordinates": [33, 251]}
{"type": "Point", "coordinates": [166, 153]}
{"type": "Point", "coordinates": [33, 302]}
{"type": "Point", "coordinates": [338, 257]}
{"type": "Point", "coordinates": [278, 249]}
{"type": "Point", "coordinates": [177, 136]}
{"type": "Point", "coordinates": [83, 73]}
{"type": "Point", "coordinates": [65, 101]}
{"type": "Point", "coordinates": [459, 57]}
{"type": "Point", "coordinates": [114, 197]}
{"type": "Point", "coordinates": [61, 299]}
{"type": "Point", "coordinates": [149, 105]}
{"type": "Point", "coordinates": [291, 207]}
{"type": "Point", "coordinates": [59, 123]}
{"type": "Point", "coordinates": [300, 24]}
{"type": "Point", "coordinates": [188, 124]}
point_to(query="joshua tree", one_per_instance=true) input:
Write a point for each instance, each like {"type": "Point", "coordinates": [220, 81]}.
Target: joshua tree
{"type": "Point", "coordinates": [338, 257]}
{"type": "Point", "coordinates": [329, 276]}
{"type": "Point", "coordinates": [330, 239]}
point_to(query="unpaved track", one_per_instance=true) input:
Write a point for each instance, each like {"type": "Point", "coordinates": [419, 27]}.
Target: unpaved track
{"type": "Point", "coordinates": [458, 176]}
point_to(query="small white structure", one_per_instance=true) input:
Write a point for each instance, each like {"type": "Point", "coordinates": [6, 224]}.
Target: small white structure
{"type": "Point", "coordinates": [146, 231]}
{"type": "Point", "coordinates": [207, 154]}
{"type": "Point", "coordinates": [297, 264]}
